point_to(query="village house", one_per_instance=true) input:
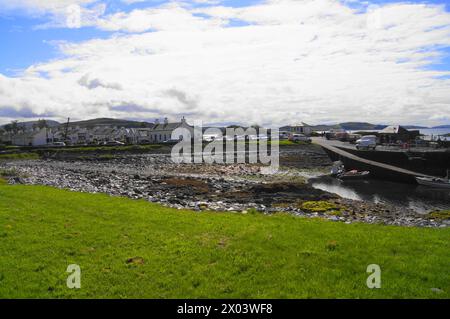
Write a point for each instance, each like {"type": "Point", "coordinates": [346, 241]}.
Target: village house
{"type": "Point", "coordinates": [75, 135]}
{"type": "Point", "coordinates": [5, 138]}
{"type": "Point", "coordinates": [162, 132]}
{"type": "Point", "coordinates": [33, 137]}
{"type": "Point", "coordinates": [302, 128]}
{"type": "Point", "coordinates": [397, 133]}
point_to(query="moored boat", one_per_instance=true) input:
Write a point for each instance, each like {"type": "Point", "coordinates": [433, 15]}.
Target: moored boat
{"type": "Point", "coordinates": [337, 168]}
{"type": "Point", "coordinates": [353, 174]}
{"type": "Point", "coordinates": [434, 182]}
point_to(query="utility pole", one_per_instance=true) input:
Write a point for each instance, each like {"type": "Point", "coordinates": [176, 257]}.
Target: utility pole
{"type": "Point", "coordinates": [67, 129]}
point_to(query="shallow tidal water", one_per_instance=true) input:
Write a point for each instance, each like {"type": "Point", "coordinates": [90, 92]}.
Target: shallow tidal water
{"type": "Point", "coordinates": [418, 198]}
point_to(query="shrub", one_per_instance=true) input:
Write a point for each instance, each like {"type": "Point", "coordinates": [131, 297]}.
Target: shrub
{"type": "Point", "coordinates": [442, 214]}
{"type": "Point", "coordinates": [319, 206]}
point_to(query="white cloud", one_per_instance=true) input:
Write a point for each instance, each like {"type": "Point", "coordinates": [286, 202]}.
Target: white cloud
{"type": "Point", "coordinates": [166, 18]}
{"type": "Point", "coordinates": [61, 13]}
{"type": "Point", "coordinates": [42, 6]}
{"type": "Point", "coordinates": [313, 61]}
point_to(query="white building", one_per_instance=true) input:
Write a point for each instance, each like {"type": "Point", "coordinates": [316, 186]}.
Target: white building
{"type": "Point", "coordinates": [302, 128]}
{"type": "Point", "coordinates": [74, 135]}
{"type": "Point", "coordinates": [5, 138]}
{"type": "Point", "coordinates": [163, 131]}
{"type": "Point", "coordinates": [35, 137]}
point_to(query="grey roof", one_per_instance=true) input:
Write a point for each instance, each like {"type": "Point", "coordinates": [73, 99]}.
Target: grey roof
{"type": "Point", "coordinates": [302, 124]}
{"type": "Point", "coordinates": [166, 127]}
{"type": "Point", "coordinates": [393, 129]}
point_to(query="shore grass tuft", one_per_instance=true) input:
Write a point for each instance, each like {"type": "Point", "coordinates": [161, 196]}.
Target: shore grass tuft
{"type": "Point", "coordinates": [321, 207]}
{"type": "Point", "coordinates": [441, 214]}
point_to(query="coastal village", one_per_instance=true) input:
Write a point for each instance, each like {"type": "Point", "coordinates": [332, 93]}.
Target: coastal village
{"type": "Point", "coordinates": [80, 156]}
{"type": "Point", "coordinates": [94, 132]}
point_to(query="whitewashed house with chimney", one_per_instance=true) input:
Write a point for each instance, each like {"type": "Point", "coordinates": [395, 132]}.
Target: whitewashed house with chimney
{"type": "Point", "coordinates": [301, 128]}
{"type": "Point", "coordinates": [162, 132]}
{"type": "Point", "coordinates": [33, 137]}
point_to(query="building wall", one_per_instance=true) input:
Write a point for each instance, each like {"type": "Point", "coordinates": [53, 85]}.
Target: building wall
{"type": "Point", "coordinates": [40, 138]}
{"type": "Point", "coordinates": [297, 129]}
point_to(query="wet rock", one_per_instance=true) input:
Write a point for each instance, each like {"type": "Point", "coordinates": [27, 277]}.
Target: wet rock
{"type": "Point", "coordinates": [16, 180]}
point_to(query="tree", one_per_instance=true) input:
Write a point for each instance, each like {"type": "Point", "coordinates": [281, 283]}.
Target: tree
{"type": "Point", "coordinates": [15, 126]}
{"type": "Point", "coordinates": [8, 128]}
{"type": "Point", "coordinates": [42, 124]}
{"type": "Point", "coordinates": [257, 127]}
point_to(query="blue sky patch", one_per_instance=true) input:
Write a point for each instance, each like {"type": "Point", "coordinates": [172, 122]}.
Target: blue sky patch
{"type": "Point", "coordinates": [22, 44]}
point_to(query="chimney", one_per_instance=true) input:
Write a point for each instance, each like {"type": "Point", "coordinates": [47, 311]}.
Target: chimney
{"type": "Point", "coordinates": [183, 120]}
{"type": "Point", "coordinates": [166, 121]}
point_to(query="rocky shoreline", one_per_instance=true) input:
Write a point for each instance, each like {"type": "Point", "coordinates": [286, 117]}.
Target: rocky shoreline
{"type": "Point", "coordinates": [237, 188]}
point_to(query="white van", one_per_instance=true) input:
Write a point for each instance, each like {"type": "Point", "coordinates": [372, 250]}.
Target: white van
{"type": "Point", "coordinates": [367, 142]}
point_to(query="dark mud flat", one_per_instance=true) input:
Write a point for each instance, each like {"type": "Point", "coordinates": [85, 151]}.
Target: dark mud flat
{"type": "Point", "coordinates": [279, 193]}
{"type": "Point", "coordinates": [304, 157]}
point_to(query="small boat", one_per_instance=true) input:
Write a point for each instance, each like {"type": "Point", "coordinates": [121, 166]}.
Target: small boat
{"type": "Point", "coordinates": [353, 174]}
{"type": "Point", "coordinates": [337, 169]}
{"type": "Point", "coordinates": [434, 182]}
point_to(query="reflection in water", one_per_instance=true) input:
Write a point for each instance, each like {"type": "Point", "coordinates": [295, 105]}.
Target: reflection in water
{"type": "Point", "coordinates": [418, 198]}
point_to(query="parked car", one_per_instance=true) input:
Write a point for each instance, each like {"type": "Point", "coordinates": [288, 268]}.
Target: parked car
{"type": "Point", "coordinates": [171, 141]}
{"type": "Point", "coordinates": [57, 144]}
{"type": "Point", "coordinates": [300, 138]}
{"type": "Point", "coordinates": [114, 143]}
{"type": "Point", "coordinates": [263, 137]}
{"type": "Point", "coordinates": [367, 142]}
{"type": "Point", "coordinates": [284, 135]}
{"type": "Point", "coordinates": [352, 138]}
{"type": "Point", "coordinates": [211, 137]}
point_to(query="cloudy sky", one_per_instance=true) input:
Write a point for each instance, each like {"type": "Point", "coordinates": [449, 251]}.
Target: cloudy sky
{"type": "Point", "coordinates": [233, 61]}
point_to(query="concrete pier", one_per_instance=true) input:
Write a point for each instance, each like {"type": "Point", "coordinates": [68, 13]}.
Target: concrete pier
{"type": "Point", "coordinates": [377, 169]}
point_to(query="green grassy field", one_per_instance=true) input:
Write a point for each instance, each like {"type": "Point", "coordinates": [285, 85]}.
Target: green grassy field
{"type": "Point", "coordinates": [135, 249]}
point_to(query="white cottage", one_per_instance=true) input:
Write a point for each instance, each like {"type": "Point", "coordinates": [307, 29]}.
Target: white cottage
{"type": "Point", "coordinates": [302, 128]}
{"type": "Point", "coordinates": [162, 132]}
{"type": "Point", "coordinates": [35, 137]}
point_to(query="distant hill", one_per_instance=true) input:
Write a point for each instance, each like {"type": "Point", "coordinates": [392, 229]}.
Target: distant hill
{"type": "Point", "coordinates": [353, 126]}
{"type": "Point", "coordinates": [364, 126]}
{"type": "Point", "coordinates": [325, 127]}
{"type": "Point", "coordinates": [349, 126]}
{"type": "Point", "coordinates": [30, 124]}
{"type": "Point", "coordinates": [110, 122]}
{"type": "Point", "coordinates": [414, 127]}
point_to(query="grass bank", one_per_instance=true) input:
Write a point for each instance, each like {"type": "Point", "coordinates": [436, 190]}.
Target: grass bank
{"type": "Point", "coordinates": [19, 156]}
{"type": "Point", "coordinates": [93, 149]}
{"type": "Point", "coordinates": [134, 249]}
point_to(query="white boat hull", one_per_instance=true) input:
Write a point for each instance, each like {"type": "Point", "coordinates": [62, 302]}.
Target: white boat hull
{"type": "Point", "coordinates": [436, 183]}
